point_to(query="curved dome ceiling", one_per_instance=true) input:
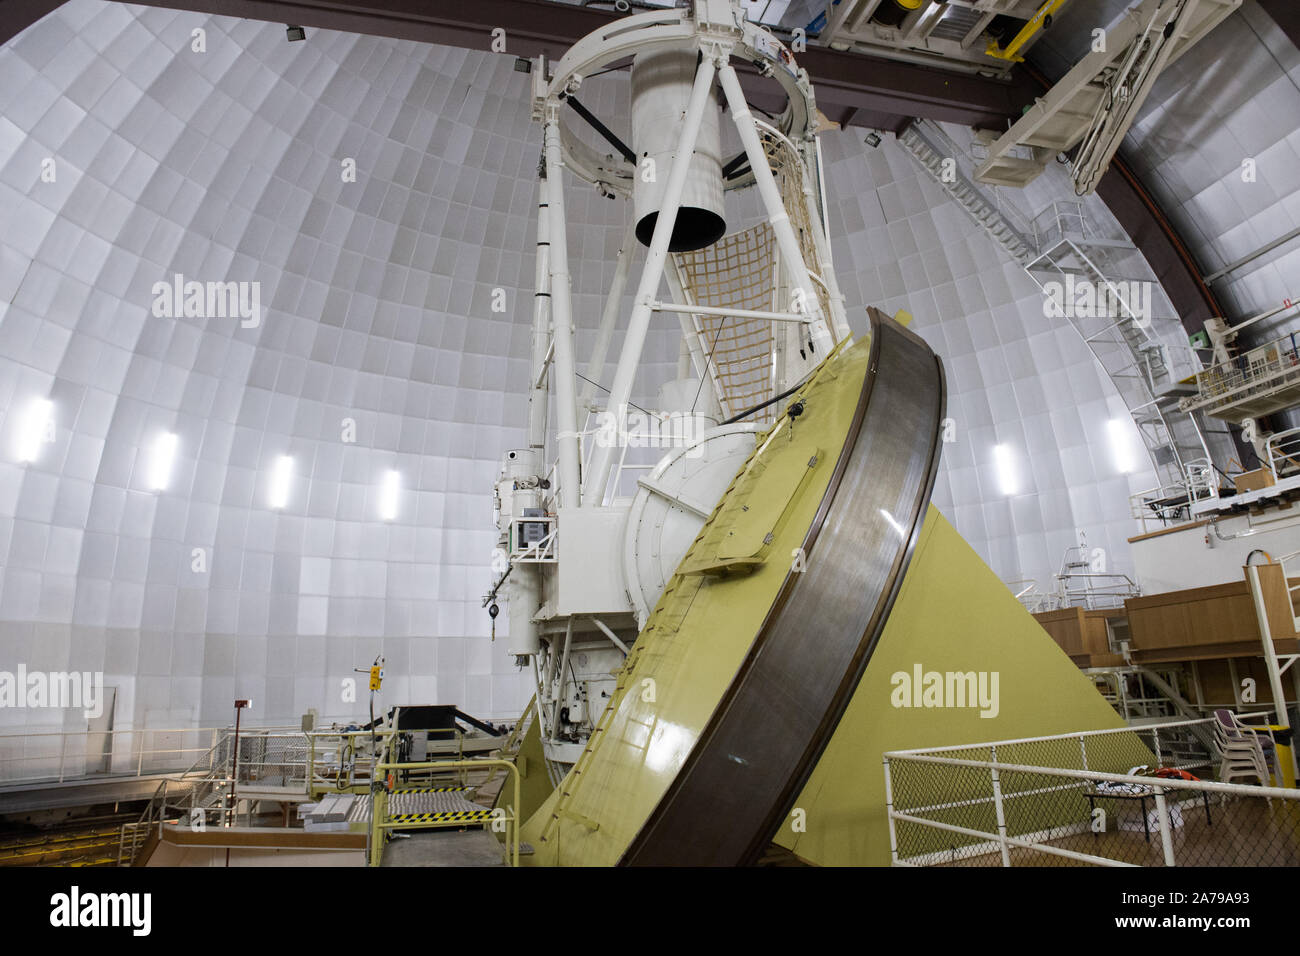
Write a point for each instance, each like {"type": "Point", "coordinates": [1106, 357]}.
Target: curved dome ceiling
{"type": "Point", "coordinates": [378, 351]}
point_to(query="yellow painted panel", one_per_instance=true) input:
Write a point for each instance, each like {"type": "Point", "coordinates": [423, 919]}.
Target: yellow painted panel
{"type": "Point", "coordinates": [952, 614]}
{"type": "Point", "coordinates": [697, 636]}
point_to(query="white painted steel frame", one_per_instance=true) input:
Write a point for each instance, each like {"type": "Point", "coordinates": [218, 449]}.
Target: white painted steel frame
{"type": "Point", "coordinates": [620, 390]}
{"type": "Point", "coordinates": [566, 412]}
{"type": "Point", "coordinates": [667, 29]}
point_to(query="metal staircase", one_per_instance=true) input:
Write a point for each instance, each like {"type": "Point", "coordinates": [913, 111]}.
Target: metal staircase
{"type": "Point", "coordinates": [1151, 371]}
{"type": "Point", "coordinates": [1149, 375]}
{"type": "Point", "coordinates": [931, 148]}
{"type": "Point", "coordinates": [199, 792]}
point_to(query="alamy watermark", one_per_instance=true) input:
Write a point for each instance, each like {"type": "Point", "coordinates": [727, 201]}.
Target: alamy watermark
{"type": "Point", "coordinates": [637, 429]}
{"type": "Point", "coordinates": [127, 910]}
{"type": "Point", "coordinates": [182, 298]}
{"type": "Point", "coordinates": [59, 690]}
{"type": "Point", "coordinates": [1086, 299]}
{"type": "Point", "coordinates": [922, 688]}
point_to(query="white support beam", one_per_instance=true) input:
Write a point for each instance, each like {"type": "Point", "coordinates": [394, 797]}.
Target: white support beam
{"type": "Point", "coordinates": [539, 395]}
{"type": "Point", "coordinates": [777, 217]}
{"type": "Point", "coordinates": [596, 366]}
{"type": "Point", "coordinates": [568, 471]}
{"type": "Point", "coordinates": [729, 313]}
{"type": "Point", "coordinates": [620, 391]}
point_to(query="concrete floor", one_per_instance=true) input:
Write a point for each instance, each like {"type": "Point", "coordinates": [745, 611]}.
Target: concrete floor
{"type": "Point", "coordinates": [445, 848]}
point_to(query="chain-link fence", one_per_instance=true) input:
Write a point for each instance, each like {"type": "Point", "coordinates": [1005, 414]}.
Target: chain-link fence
{"type": "Point", "coordinates": [1085, 799]}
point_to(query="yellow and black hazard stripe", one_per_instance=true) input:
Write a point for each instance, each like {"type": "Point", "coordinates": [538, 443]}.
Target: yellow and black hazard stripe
{"type": "Point", "coordinates": [443, 816]}
{"type": "Point", "coordinates": [432, 790]}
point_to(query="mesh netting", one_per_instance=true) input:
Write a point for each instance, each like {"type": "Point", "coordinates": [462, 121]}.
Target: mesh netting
{"type": "Point", "coordinates": [789, 172]}
{"type": "Point", "coordinates": [740, 272]}
{"type": "Point", "coordinates": [735, 272]}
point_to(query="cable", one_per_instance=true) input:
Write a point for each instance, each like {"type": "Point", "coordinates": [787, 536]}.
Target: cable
{"type": "Point", "coordinates": [699, 388]}
{"type": "Point", "coordinates": [606, 391]}
{"type": "Point", "coordinates": [771, 401]}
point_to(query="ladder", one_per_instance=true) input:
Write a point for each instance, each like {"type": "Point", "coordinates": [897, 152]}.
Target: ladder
{"type": "Point", "coordinates": [920, 140]}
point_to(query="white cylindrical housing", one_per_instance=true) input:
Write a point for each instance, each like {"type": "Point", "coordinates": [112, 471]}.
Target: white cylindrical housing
{"type": "Point", "coordinates": [522, 463]}
{"type": "Point", "coordinates": [525, 598]}
{"type": "Point", "coordinates": [661, 90]}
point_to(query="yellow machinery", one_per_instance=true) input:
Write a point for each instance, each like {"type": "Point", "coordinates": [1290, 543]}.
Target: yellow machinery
{"type": "Point", "coordinates": [785, 564]}
{"type": "Point", "coordinates": [756, 702]}
{"type": "Point", "coordinates": [1038, 22]}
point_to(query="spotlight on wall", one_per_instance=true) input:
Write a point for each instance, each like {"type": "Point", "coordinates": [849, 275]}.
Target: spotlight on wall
{"type": "Point", "coordinates": [160, 463]}
{"type": "Point", "coordinates": [295, 33]}
{"type": "Point", "coordinates": [1121, 445]}
{"type": "Point", "coordinates": [523, 65]}
{"type": "Point", "coordinates": [280, 480]}
{"type": "Point", "coordinates": [1005, 464]}
{"type": "Point", "coordinates": [388, 495]}
{"type": "Point", "coordinates": [35, 430]}
{"type": "Point", "coordinates": [872, 139]}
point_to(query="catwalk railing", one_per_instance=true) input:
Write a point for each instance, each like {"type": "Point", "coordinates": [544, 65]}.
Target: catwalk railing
{"type": "Point", "coordinates": [63, 756]}
{"type": "Point", "coordinates": [272, 764]}
{"type": "Point", "coordinates": [1079, 799]}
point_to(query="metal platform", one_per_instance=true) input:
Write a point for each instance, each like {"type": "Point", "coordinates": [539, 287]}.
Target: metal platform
{"type": "Point", "coordinates": [424, 805]}
{"type": "Point", "coordinates": [1284, 489]}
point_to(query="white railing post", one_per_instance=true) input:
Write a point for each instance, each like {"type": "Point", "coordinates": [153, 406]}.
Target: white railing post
{"type": "Point", "coordinates": [1083, 751]}
{"type": "Point", "coordinates": [1166, 838]}
{"type": "Point", "coordinates": [998, 808]}
{"type": "Point", "coordinates": [889, 815]}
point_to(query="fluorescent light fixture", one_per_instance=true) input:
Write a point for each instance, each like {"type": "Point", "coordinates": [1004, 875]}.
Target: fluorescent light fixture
{"type": "Point", "coordinates": [280, 480]}
{"type": "Point", "coordinates": [161, 457]}
{"type": "Point", "coordinates": [388, 493]}
{"type": "Point", "coordinates": [1004, 462]}
{"type": "Point", "coordinates": [35, 428]}
{"type": "Point", "coordinates": [1121, 446]}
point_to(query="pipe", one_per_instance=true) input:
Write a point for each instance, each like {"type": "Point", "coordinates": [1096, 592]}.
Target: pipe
{"type": "Point", "coordinates": [566, 415]}
{"type": "Point", "coordinates": [758, 314]}
{"type": "Point", "coordinates": [1246, 260]}
{"type": "Point", "coordinates": [1270, 652]}
{"type": "Point", "coordinates": [613, 302]}
{"type": "Point", "coordinates": [611, 635]}
{"type": "Point", "coordinates": [540, 393]}
{"type": "Point", "coordinates": [638, 325]}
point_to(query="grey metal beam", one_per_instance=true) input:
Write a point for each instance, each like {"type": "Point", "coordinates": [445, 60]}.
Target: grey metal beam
{"type": "Point", "coordinates": [1286, 13]}
{"type": "Point", "coordinates": [846, 83]}
{"type": "Point", "coordinates": [852, 89]}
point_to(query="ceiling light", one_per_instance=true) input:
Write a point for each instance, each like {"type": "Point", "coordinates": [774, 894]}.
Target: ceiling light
{"type": "Point", "coordinates": [295, 33]}
{"type": "Point", "coordinates": [281, 478]}
{"type": "Point", "coordinates": [1004, 462]}
{"type": "Point", "coordinates": [162, 455]}
{"type": "Point", "coordinates": [388, 495]}
{"type": "Point", "coordinates": [1121, 446]}
{"type": "Point", "coordinates": [35, 428]}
